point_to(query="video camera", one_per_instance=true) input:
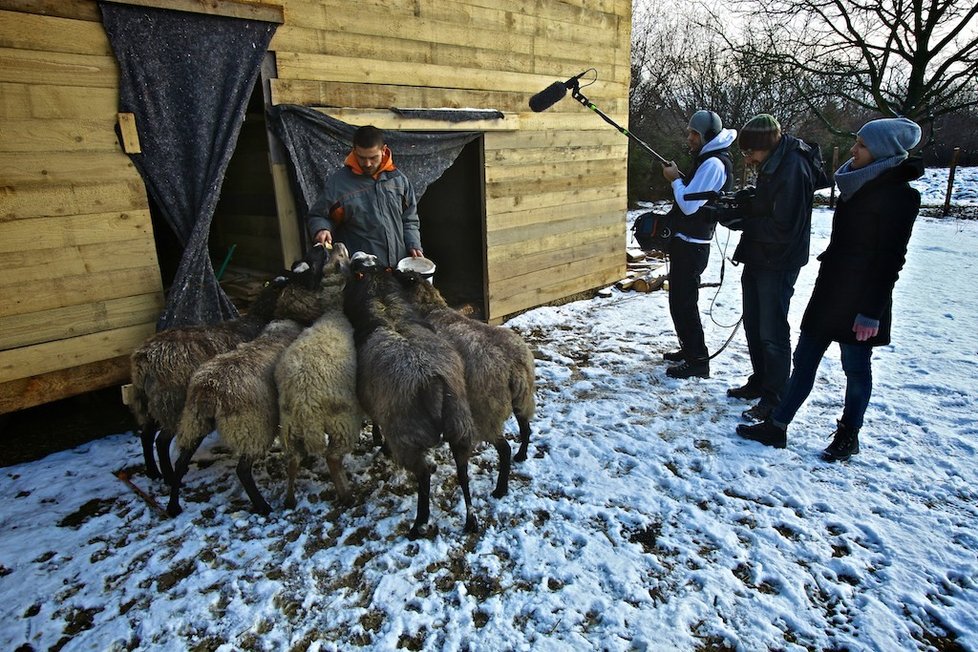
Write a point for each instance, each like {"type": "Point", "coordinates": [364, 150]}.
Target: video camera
{"type": "Point", "coordinates": [731, 208]}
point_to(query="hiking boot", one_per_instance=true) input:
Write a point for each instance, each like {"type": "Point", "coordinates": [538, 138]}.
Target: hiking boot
{"type": "Point", "coordinates": [759, 412]}
{"type": "Point", "coordinates": [674, 356]}
{"type": "Point", "coordinates": [690, 368]}
{"type": "Point", "coordinates": [748, 392]}
{"type": "Point", "coordinates": [766, 432]}
{"type": "Point", "coordinates": [845, 444]}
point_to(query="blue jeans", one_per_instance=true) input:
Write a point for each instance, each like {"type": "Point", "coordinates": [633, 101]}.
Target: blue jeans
{"type": "Point", "coordinates": [767, 296]}
{"type": "Point", "coordinates": [857, 364]}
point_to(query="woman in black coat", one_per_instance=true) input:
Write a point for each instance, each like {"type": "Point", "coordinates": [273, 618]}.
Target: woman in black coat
{"type": "Point", "coordinates": [853, 296]}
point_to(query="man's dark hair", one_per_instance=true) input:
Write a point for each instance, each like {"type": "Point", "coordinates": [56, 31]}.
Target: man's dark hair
{"type": "Point", "coordinates": [368, 136]}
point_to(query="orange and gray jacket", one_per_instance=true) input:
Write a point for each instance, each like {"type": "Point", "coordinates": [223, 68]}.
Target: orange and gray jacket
{"type": "Point", "coordinates": [376, 214]}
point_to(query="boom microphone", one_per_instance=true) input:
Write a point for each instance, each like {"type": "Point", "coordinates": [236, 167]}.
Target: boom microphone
{"type": "Point", "coordinates": [552, 94]}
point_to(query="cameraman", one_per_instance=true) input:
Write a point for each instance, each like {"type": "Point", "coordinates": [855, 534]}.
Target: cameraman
{"type": "Point", "coordinates": [689, 250]}
{"type": "Point", "coordinates": [773, 248]}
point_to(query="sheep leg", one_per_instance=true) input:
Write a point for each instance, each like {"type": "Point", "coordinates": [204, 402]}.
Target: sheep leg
{"type": "Point", "coordinates": [338, 474]}
{"type": "Point", "coordinates": [163, 452]}
{"type": "Point", "coordinates": [524, 438]}
{"type": "Point", "coordinates": [293, 470]}
{"type": "Point", "coordinates": [183, 463]}
{"type": "Point", "coordinates": [248, 482]}
{"type": "Point", "coordinates": [176, 479]}
{"type": "Point", "coordinates": [147, 436]}
{"type": "Point", "coordinates": [415, 463]}
{"type": "Point", "coordinates": [379, 440]}
{"type": "Point", "coordinates": [461, 455]}
{"type": "Point", "coordinates": [505, 455]}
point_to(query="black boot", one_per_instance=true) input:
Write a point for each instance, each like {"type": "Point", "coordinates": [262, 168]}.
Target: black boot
{"type": "Point", "coordinates": [845, 444]}
{"type": "Point", "coordinates": [699, 368]}
{"type": "Point", "coordinates": [674, 356]}
{"type": "Point", "coordinates": [759, 412]}
{"type": "Point", "coordinates": [765, 432]}
{"type": "Point", "coordinates": [747, 392]}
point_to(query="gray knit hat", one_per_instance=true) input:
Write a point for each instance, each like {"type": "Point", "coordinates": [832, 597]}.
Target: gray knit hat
{"type": "Point", "coordinates": [890, 136]}
{"type": "Point", "coordinates": [707, 124]}
{"type": "Point", "coordinates": [762, 132]}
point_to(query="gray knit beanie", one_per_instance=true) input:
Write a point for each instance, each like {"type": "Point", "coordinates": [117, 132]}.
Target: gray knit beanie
{"type": "Point", "coordinates": [762, 132]}
{"type": "Point", "coordinates": [890, 137]}
{"type": "Point", "coordinates": [707, 124]}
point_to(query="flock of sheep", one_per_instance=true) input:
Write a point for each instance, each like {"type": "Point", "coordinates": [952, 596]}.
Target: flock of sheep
{"type": "Point", "coordinates": [324, 347]}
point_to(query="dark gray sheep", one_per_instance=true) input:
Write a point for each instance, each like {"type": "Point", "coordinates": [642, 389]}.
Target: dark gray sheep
{"type": "Point", "coordinates": [235, 394]}
{"type": "Point", "coordinates": [410, 381]}
{"type": "Point", "coordinates": [499, 371]}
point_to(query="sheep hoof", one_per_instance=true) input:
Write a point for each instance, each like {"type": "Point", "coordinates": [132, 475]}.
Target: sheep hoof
{"type": "Point", "coordinates": [520, 456]}
{"type": "Point", "coordinates": [499, 493]}
{"type": "Point", "coordinates": [262, 510]}
{"type": "Point", "coordinates": [153, 473]}
{"type": "Point", "coordinates": [174, 510]}
{"type": "Point", "coordinates": [425, 531]}
{"type": "Point", "coordinates": [290, 503]}
{"type": "Point", "coordinates": [471, 525]}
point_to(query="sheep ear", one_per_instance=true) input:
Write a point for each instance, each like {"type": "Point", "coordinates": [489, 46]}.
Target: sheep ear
{"type": "Point", "coordinates": [361, 260]}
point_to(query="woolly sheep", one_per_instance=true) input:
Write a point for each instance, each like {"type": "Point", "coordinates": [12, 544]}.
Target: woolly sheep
{"type": "Point", "coordinates": [162, 365]}
{"type": "Point", "coordinates": [235, 394]}
{"type": "Point", "coordinates": [410, 381]}
{"type": "Point", "coordinates": [499, 371]}
{"type": "Point", "coordinates": [316, 377]}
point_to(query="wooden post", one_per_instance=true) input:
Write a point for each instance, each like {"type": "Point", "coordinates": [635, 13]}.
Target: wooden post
{"type": "Point", "coordinates": [950, 180]}
{"type": "Point", "coordinates": [835, 166]}
{"type": "Point", "coordinates": [290, 231]}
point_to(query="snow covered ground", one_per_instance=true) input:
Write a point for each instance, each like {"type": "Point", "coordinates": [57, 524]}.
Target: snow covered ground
{"type": "Point", "coordinates": [640, 521]}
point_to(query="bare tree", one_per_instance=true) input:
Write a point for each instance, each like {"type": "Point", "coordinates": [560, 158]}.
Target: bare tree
{"type": "Point", "coordinates": [897, 57]}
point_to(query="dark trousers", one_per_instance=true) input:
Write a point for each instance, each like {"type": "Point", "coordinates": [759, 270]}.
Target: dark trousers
{"type": "Point", "coordinates": [857, 364]}
{"type": "Point", "coordinates": [687, 263]}
{"type": "Point", "coordinates": [767, 296]}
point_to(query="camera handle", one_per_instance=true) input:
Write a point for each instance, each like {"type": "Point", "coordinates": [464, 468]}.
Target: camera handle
{"type": "Point", "coordinates": [708, 195]}
{"type": "Point", "coordinates": [579, 96]}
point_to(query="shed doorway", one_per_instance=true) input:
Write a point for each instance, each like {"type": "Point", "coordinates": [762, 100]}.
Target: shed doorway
{"type": "Point", "coordinates": [453, 217]}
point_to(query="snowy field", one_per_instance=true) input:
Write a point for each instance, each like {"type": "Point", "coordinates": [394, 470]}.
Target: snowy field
{"type": "Point", "coordinates": [639, 522]}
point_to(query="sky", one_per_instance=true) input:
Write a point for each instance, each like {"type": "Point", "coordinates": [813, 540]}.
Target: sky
{"type": "Point", "coordinates": [640, 520]}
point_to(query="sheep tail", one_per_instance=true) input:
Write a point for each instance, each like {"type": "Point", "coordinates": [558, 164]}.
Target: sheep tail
{"type": "Point", "coordinates": [197, 420]}
{"type": "Point", "coordinates": [522, 389]}
{"type": "Point", "coordinates": [458, 425]}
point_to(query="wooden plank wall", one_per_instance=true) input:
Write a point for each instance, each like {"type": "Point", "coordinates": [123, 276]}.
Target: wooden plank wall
{"type": "Point", "coordinates": [555, 181]}
{"type": "Point", "coordinates": [79, 279]}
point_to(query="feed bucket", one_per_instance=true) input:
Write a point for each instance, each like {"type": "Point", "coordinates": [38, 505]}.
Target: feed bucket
{"type": "Point", "coordinates": [422, 266]}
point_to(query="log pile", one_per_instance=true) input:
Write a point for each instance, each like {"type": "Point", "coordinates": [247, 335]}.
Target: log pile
{"type": "Point", "coordinates": [646, 272]}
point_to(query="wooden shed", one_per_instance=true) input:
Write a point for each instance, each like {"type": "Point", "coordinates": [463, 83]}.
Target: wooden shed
{"type": "Point", "coordinates": [534, 207]}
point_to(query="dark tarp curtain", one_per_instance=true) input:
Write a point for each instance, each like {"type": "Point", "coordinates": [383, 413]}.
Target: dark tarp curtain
{"type": "Point", "coordinates": [318, 144]}
{"type": "Point", "coordinates": [187, 77]}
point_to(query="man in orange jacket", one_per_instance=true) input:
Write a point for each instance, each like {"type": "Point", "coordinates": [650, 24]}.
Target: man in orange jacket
{"type": "Point", "coordinates": [368, 204]}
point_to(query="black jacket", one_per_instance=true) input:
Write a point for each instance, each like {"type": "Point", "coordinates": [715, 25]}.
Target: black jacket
{"type": "Point", "coordinates": [777, 228]}
{"type": "Point", "coordinates": [866, 252]}
{"type": "Point", "coordinates": [702, 223]}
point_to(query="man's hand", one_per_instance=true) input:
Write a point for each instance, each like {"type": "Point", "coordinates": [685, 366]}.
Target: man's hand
{"type": "Point", "coordinates": [864, 332]}
{"type": "Point", "coordinates": [416, 253]}
{"type": "Point", "coordinates": [323, 237]}
{"type": "Point", "coordinates": [671, 172]}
